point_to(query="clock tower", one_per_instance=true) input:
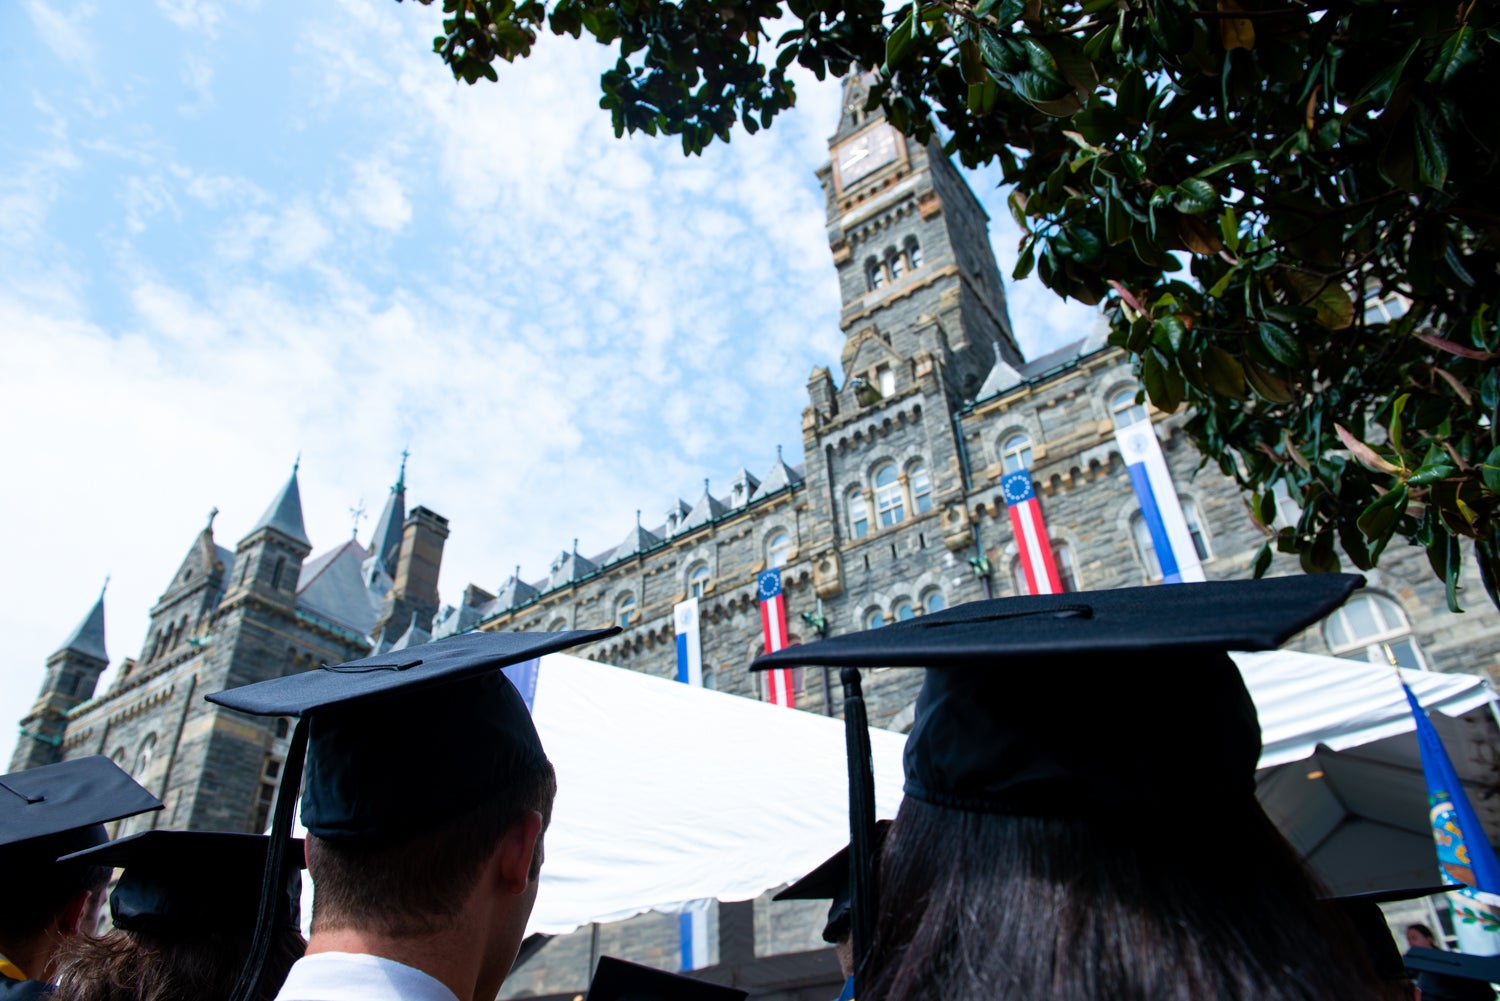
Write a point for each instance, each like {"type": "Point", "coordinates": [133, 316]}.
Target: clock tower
{"type": "Point", "coordinates": [911, 245]}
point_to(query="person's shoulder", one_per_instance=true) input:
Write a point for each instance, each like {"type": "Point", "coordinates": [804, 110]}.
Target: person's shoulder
{"type": "Point", "coordinates": [23, 990]}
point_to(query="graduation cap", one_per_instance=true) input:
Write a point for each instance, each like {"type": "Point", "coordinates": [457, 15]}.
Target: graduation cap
{"type": "Point", "coordinates": [395, 744]}
{"type": "Point", "coordinates": [984, 740]}
{"type": "Point", "coordinates": [830, 881]}
{"type": "Point", "coordinates": [184, 882]}
{"type": "Point", "coordinates": [50, 811]}
{"type": "Point", "coordinates": [617, 980]}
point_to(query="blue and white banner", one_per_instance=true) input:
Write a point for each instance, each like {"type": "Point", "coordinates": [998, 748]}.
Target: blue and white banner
{"type": "Point", "coordinates": [523, 676]}
{"type": "Point", "coordinates": [692, 921]}
{"type": "Point", "coordinates": [1160, 507]}
{"type": "Point", "coordinates": [689, 647]}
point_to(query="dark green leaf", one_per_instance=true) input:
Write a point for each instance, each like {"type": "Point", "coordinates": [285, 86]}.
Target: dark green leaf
{"type": "Point", "coordinates": [899, 45]}
{"type": "Point", "coordinates": [1262, 561]}
{"type": "Point", "coordinates": [1490, 472]}
{"type": "Point", "coordinates": [1456, 53]}
{"type": "Point", "coordinates": [1379, 519]}
{"type": "Point", "coordinates": [1195, 196]}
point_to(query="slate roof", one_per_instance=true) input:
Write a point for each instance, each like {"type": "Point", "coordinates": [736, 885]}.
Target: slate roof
{"type": "Point", "coordinates": [385, 544]}
{"type": "Point", "coordinates": [332, 587]}
{"type": "Point", "coordinates": [743, 486]}
{"type": "Point", "coordinates": [779, 478]}
{"type": "Point", "coordinates": [513, 592]}
{"type": "Point", "coordinates": [285, 513]}
{"type": "Point", "coordinates": [88, 638]}
{"type": "Point", "coordinates": [569, 567]}
{"type": "Point", "coordinates": [414, 636]}
{"type": "Point", "coordinates": [638, 541]}
{"type": "Point", "coordinates": [226, 557]}
{"type": "Point", "coordinates": [1006, 376]}
{"type": "Point", "coordinates": [706, 510]}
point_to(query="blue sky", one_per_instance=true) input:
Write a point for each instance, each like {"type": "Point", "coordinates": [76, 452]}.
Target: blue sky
{"type": "Point", "coordinates": [233, 232]}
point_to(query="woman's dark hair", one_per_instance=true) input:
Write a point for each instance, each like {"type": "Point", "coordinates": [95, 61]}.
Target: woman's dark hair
{"type": "Point", "coordinates": [985, 906]}
{"type": "Point", "coordinates": [136, 966]}
{"type": "Point", "coordinates": [1423, 930]}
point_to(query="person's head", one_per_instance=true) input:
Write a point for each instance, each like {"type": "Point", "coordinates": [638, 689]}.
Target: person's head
{"type": "Point", "coordinates": [1419, 936]}
{"type": "Point", "coordinates": [416, 884]}
{"type": "Point", "coordinates": [46, 813]}
{"type": "Point", "coordinates": [1080, 817]}
{"type": "Point", "coordinates": [141, 966]}
{"type": "Point", "coordinates": [830, 882]}
{"type": "Point", "coordinates": [183, 911]}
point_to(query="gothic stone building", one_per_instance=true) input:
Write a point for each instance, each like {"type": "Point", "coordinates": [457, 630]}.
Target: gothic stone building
{"type": "Point", "coordinates": [895, 510]}
{"type": "Point", "coordinates": [229, 618]}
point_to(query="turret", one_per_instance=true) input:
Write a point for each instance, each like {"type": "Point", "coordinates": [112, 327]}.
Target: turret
{"type": "Point", "coordinates": [72, 675]}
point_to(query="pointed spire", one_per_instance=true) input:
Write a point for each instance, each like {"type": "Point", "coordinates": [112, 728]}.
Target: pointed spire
{"type": "Point", "coordinates": [285, 512]}
{"type": "Point", "coordinates": [385, 544]}
{"type": "Point", "coordinates": [778, 478]}
{"type": "Point", "coordinates": [88, 638]}
{"type": "Point", "coordinates": [1002, 377]}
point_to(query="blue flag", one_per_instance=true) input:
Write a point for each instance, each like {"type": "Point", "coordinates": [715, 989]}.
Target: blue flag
{"type": "Point", "coordinates": [1464, 854]}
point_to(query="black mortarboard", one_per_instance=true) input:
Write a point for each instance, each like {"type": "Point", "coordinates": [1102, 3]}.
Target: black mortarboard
{"type": "Point", "coordinates": [1000, 726]}
{"type": "Point", "coordinates": [186, 882]}
{"type": "Point", "coordinates": [56, 809]}
{"type": "Point", "coordinates": [617, 980]}
{"type": "Point", "coordinates": [399, 742]}
{"type": "Point", "coordinates": [830, 881]}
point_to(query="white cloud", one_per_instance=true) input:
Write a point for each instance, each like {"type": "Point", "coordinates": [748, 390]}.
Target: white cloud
{"type": "Point", "coordinates": [65, 34]}
{"type": "Point", "coordinates": [377, 196]}
{"type": "Point", "coordinates": [199, 16]}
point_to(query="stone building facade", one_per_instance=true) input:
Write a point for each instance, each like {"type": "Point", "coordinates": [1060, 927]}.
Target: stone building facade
{"type": "Point", "coordinates": [895, 510]}
{"type": "Point", "coordinates": [230, 618]}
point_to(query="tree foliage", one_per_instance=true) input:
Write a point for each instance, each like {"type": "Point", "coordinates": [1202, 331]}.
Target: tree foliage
{"type": "Point", "coordinates": [1289, 209]}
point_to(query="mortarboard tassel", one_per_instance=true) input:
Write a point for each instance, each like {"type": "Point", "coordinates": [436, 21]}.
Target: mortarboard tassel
{"type": "Point", "coordinates": [269, 916]}
{"type": "Point", "coordinates": [863, 875]}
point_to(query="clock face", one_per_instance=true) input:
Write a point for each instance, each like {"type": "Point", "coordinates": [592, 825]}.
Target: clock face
{"type": "Point", "coordinates": [871, 149]}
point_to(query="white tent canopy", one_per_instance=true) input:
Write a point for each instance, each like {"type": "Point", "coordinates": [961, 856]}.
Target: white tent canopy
{"type": "Point", "coordinates": [670, 794]}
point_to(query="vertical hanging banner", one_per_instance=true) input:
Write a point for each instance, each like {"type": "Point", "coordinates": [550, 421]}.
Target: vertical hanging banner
{"type": "Point", "coordinates": [1031, 533]}
{"type": "Point", "coordinates": [689, 648]}
{"type": "Point", "coordinates": [779, 683]}
{"type": "Point", "coordinates": [1465, 858]}
{"type": "Point", "coordinates": [692, 921]}
{"type": "Point", "coordinates": [1160, 507]}
{"type": "Point", "coordinates": [523, 676]}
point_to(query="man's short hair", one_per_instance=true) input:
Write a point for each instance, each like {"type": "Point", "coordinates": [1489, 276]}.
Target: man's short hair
{"type": "Point", "coordinates": [416, 884]}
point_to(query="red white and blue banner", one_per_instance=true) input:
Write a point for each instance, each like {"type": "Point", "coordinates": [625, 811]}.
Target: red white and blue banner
{"type": "Point", "coordinates": [1465, 859]}
{"type": "Point", "coordinates": [1160, 507]}
{"type": "Point", "coordinates": [779, 684]}
{"type": "Point", "coordinates": [1031, 533]}
{"type": "Point", "coordinates": [689, 646]}
{"type": "Point", "coordinates": [692, 921]}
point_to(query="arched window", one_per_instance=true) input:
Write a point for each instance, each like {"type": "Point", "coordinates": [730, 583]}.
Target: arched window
{"type": "Point", "coordinates": [144, 755]}
{"type": "Point", "coordinates": [1124, 409]}
{"type": "Point", "coordinates": [1018, 583]}
{"type": "Point", "coordinates": [1145, 548]}
{"type": "Point", "coordinates": [874, 274]}
{"type": "Point", "coordinates": [904, 611]}
{"type": "Point", "coordinates": [282, 727]}
{"type": "Point", "coordinates": [1015, 453]}
{"type": "Point", "coordinates": [913, 252]}
{"type": "Point", "coordinates": [920, 482]}
{"type": "Point", "coordinates": [1067, 572]}
{"type": "Point", "coordinates": [276, 573]}
{"type": "Point", "coordinates": [895, 262]}
{"type": "Point", "coordinates": [859, 514]}
{"type": "Point", "coordinates": [779, 550]}
{"type": "Point", "coordinates": [874, 619]}
{"type": "Point", "coordinates": [698, 580]}
{"type": "Point", "coordinates": [934, 602]}
{"type": "Point", "coordinates": [889, 505]}
{"type": "Point", "coordinates": [1372, 627]}
{"type": "Point", "coordinates": [625, 611]}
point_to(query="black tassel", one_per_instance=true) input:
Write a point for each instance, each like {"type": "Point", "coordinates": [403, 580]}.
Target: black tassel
{"type": "Point", "coordinates": [863, 865]}
{"type": "Point", "coordinates": [270, 919]}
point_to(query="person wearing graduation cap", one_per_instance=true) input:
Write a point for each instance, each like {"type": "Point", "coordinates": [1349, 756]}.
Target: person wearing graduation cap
{"type": "Point", "coordinates": [1080, 819]}
{"type": "Point", "coordinates": [426, 797]}
{"type": "Point", "coordinates": [184, 912]}
{"type": "Point", "coordinates": [46, 813]}
{"type": "Point", "coordinates": [830, 882]}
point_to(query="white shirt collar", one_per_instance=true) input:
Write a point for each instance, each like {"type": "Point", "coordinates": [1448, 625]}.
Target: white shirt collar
{"type": "Point", "coordinates": [348, 976]}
